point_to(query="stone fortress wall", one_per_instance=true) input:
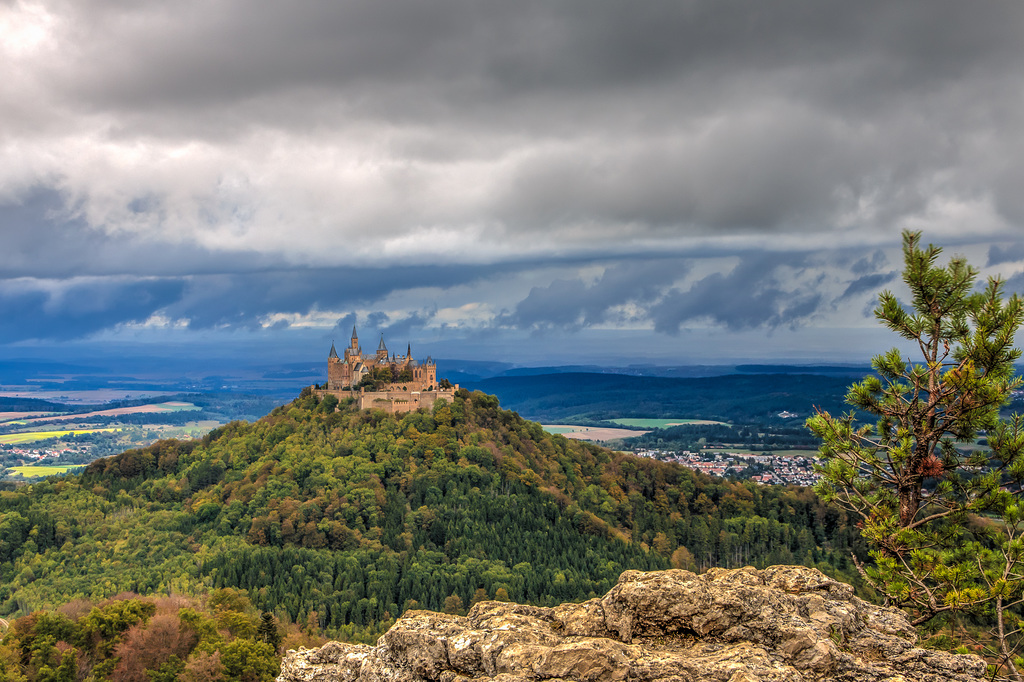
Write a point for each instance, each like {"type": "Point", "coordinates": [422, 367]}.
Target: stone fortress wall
{"type": "Point", "coordinates": [393, 400]}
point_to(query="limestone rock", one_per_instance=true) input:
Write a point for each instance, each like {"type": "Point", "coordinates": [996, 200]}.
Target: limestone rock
{"type": "Point", "coordinates": [783, 623]}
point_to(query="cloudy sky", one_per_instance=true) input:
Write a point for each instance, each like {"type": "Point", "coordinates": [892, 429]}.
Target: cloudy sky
{"type": "Point", "coordinates": [540, 181]}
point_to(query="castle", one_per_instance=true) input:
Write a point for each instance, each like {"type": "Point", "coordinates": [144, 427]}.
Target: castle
{"type": "Point", "coordinates": [398, 382]}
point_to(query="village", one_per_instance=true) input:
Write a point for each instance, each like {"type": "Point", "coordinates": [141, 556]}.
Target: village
{"type": "Point", "coordinates": [45, 452]}
{"type": "Point", "coordinates": [767, 469]}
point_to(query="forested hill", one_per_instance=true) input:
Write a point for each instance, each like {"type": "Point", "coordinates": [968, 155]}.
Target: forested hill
{"type": "Point", "coordinates": [349, 517]}
{"type": "Point", "coordinates": [734, 397]}
{"type": "Point", "coordinates": [14, 404]}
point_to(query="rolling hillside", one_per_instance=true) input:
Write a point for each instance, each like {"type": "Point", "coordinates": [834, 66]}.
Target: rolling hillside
{"type": "Point", "coordinates": [346, 517]}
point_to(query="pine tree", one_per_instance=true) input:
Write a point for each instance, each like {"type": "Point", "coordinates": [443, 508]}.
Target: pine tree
{"type": "Point", "coordinates": [908, 475]}
{"type": "Point", "coordinates": [268, 631]}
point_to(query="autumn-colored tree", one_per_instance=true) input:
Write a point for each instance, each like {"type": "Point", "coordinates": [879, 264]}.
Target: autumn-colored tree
{"type": "Point", "coordinates": [147, 647]}
{"type": "Point", "coordinates": [453, 604]}
{"type": "Point", "coordinates": [203, 667]}
{"type": "Point", "coordinates": [683, 558]}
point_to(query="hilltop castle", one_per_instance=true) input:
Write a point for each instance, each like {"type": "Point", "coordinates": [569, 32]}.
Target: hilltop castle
{"type": "Point", "coordinates": [346, 372]}
{"type": "Point", "coordinates": [402, 384]}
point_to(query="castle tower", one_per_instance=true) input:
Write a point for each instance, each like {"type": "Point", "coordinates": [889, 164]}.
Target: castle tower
{"type": "Point", "coordinates": [335, 370]}
{"type": "Point", "coordinates": [382, 350]}
{"type": "Point", "coordinates": [355, 342]}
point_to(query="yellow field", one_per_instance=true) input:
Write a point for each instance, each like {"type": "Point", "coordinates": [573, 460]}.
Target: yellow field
{"type": "Point", "coordinates": [41, 471]}
{"type": "Point", "coordinates": [19, 438]}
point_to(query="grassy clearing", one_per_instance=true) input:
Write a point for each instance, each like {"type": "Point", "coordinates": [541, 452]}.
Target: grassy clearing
{"type": "Point", "coordinates": [660, 423]}
{"type": "Point", "coordinates": [178, 407]}
{"type": "Point", "coordinates": [32, 436]}
{"type": "Point", "coordinates": [42, 471]}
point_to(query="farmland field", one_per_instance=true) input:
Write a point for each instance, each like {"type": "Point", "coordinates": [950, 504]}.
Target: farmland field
{"type": "Point", "coordinates": [118, 411]}
{"type": "Point", "coordinates": [30, 436]}
{"type": "Point", "coordinates": [594, 433]}
{"type": "Point", "coordinates": [41, 471]}
{"type": "Point", "coordinates": [660, 423]}
{"type": "Point", "coordinates": [15, 417]}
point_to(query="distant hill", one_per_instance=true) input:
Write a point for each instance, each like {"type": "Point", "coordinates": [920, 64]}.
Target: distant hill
{"type": "Point", "coordinates": [468, 371]}
{"type": "Point", "coordinates": [734, 397]}
{"type": "Point", "coordinates": [853, 371]}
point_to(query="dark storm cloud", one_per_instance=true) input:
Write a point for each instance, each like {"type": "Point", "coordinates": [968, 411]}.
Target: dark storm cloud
{"type": "Point", "coordinates": [77, 308]}
{"type": "Point", "coordinates": [1009, 253]}
{"type": "Point", "coordinates": [380, 322]}
{"type": "Point", "coordinates": [40, 236]}
{"type": "Point", "coordinates": [750, 296]}
{"type": "Point", "coordinates": [573, 304]}
{"type": "Point", "coordinates": [1014, 284]}
{"type": "Point", "coordinates": [864, 283]}
{"type": "Point", "coordinates": [242, 300]}
{"type": "Point", "coordinates": [402, 328]}
{"type": "Point", "coordinates": [376, 319]}
{"type": "Point", "coordinates": [343, 328]}
{"type": "Point", "coordinates": [232, 52]}
{"type": "Point", "coordinates": [870, 264]}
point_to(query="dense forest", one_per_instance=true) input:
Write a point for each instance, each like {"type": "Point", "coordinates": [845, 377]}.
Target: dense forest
{"type": "Point", "coordinates": [748, 436]}
{"type": "Point", "coordinates": [342, 519]}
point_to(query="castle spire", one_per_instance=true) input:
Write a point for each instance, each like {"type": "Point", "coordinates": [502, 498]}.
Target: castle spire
{"type": "Point", "coordinates": [334, 353]}
{"type": "Point", "coordinates": [408, 351]}
{"type": "Point", "coordinates": [382, 347]}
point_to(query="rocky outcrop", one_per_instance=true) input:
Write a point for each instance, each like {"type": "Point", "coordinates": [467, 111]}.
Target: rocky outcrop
{"type": "Point", "coordinates": [780, 624]}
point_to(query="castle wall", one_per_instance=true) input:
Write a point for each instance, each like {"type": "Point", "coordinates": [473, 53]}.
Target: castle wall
{"type": "Point", "coordinates": [393, 401]}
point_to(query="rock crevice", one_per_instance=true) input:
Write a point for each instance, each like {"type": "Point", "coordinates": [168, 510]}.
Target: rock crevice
{"type": "Point", "coordinates": [783, 623]}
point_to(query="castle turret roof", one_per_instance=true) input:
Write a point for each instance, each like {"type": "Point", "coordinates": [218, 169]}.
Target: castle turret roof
{"type": "Point", "coordinates": [382, 347]}
{"type": "Point", "coordinates": [334, 353]}
{"type": "Point", "coordinates": [354, 336]}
